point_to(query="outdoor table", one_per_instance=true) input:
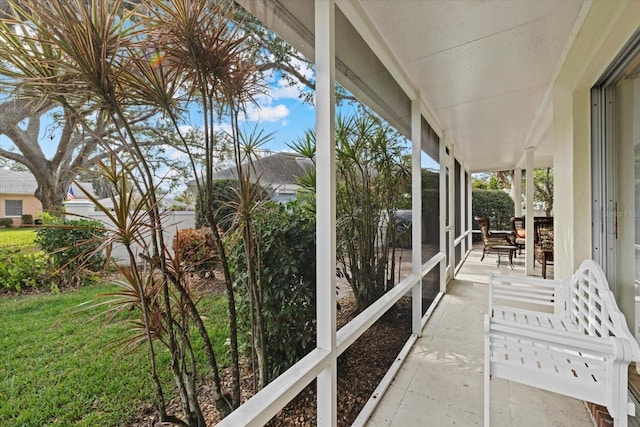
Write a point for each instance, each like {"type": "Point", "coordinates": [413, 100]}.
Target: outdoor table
{"type": "Point", "coordinates": [511, 250]}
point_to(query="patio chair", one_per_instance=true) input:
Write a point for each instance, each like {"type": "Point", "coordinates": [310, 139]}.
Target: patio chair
{"type": "Point", "coordinates": [543, 243]}
{"type": "Point", "coordinates": [519, 232]}
{"type": "Point", "coordinates": [492, 238]}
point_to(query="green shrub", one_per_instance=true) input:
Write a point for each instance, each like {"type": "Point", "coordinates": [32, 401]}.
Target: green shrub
{"type": "Point", "coordinates": [73, 244]}
{"type": "Point", "coordinates": [49, 219]}
{"type": "Point", "coordinates": [21, 271]}
{"type": "Point", "coordinates": [6, 222]}
{"type": "Point", "coordinates": [26, 219]}
{"type": "Point", "coordinates": [287, 252]}
{"type": "Point", "coordinates": [196, 249]}
{"type": "Point", "coordinates": [495, 205]}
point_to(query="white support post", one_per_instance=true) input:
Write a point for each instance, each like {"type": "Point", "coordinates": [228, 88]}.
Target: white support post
{"type": "Point", "coordinates": [529, 252]}
{"type": "Point", "coordinates": [517, 191]}
{"type": "Point", "coordinates": [416, 216]}
{"type": "Point", "coordinates": [444, 162]}
{"type": "Point", "coordinates": [462, 213]}
{"type": "Point", "coordinates": [469, 214]}
{"type": "Point", "coordinates": [452, 212]}
{"type": "Point", "coordinates": [326, 208]}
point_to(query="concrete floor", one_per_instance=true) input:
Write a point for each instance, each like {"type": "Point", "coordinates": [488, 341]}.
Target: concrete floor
{"type": "Point", "coordinates": [441, 382]}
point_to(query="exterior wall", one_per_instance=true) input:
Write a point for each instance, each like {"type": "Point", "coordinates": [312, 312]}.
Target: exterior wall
{"type": "Point", "coordinates": [607, 27]}
{"type": "Point", "coordinates": [30, 206]}
{"type": "Point", "coordinates": [173, 221]}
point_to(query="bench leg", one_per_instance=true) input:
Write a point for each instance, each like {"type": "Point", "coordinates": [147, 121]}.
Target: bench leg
{"type": "Point", "coordinates": [621, 401]}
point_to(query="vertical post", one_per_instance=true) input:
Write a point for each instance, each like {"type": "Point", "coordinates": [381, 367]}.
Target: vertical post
{"type": "Point", "coordinates": [452, 211]}
{"type": "Point", "coordinates": [326, 207]}
{"type": "Point", "coordinates": [517, 191]}
{"type": "Point", "coordinates": [529, 252]}
{"type": "Point", "coordinates": [444, 162]}
{"type": "Point", "coordinates": [469, 214]}
{"type": "Point", "coordinates": [416, 214]}
{"type": "Point", "coordinates": [463, 212]}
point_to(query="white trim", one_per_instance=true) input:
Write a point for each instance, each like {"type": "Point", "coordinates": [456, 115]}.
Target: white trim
{"type": "Point", "coordinates": [350, 332]}
{"type": "Point", "coordinates": [529, 262]}
{"type": "Point", "coordinates": [544, 115]}
{"type": "Point", "coordinates": [376, 396]}
{"type": "Point", "coordinates": [416, 206]}
{"type": "Point", "coordinates": [327, 379]}
{"type": "Point", "coordinates": [517, 191]}
{"type": "Point", "coordinates": [264, 405]}
{"type": "Point", "coordinates": [384, 384]}
{"type": "Point", "coordinates": [443, 161]}
{"type": "Point", "coordinates": [356, 15]}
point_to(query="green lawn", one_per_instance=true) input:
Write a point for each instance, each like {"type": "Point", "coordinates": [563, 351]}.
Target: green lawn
{"type": "Point", "coordinates": [18, 238]}
{"type": "Point", "coordinates": [56, 369]}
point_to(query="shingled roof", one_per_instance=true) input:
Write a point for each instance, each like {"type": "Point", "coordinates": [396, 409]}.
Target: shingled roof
{"type": "Point", "coordinates": [275, 170]}
{"type": "Point", "coordinates": [12, 182]}
{"type": "Point", "coordinates": [24, 183]}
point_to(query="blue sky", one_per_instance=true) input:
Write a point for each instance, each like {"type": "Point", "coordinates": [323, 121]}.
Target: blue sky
{"type": "Point", "coordinates": [280, 112]}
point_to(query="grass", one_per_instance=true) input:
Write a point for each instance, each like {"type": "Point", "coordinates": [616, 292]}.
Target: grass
{"type": "Point", "coordinates": [19, 238]}
{"type": "Point", "coordinates": [56, 369]}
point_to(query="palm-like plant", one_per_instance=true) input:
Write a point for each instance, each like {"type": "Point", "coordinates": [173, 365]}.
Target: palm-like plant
{"type": "Point", "coordinates": [371, 170]}
{"type": "Point", "coordinates": [97, 57]}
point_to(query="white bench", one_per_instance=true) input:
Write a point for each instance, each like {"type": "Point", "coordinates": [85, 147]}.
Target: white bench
{"type": "Point", "coordinates": [565, 337]}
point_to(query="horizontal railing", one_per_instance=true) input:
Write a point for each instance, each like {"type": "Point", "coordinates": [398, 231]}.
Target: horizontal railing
{"type": "Point", "coordinates": [350, 332]}
{"type": "Point", "coordinates": [258, 410]}
{"type": "Point", "coordinates": [276, 395]}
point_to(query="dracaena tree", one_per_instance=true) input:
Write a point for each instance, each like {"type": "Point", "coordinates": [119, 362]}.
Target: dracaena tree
{"type": "Point", "coordinates": [101, 60]}
{"type": "Point", "coordinates": [373, 181]}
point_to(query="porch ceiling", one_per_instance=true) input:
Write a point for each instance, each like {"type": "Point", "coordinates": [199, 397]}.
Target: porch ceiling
{"type": "Point", "coordinates": [484, 69]}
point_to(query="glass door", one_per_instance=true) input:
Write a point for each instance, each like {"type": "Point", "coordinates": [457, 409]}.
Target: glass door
{"type": "Point", "coordinates": [616, 179]}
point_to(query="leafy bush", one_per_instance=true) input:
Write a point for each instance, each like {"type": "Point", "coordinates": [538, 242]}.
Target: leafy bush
{"type": "Point", "coordinates": [20, 271]}
{"type": "Point", "coordinates": [26, 219]}
{"type": "Point", "coordinates": [196, 249]}
{"type": "Point", "coordinates": [73, 244]}
{"type": "Point", "coordinates": [288, 261]}
{"type": "Point", "coordinates": [6, 222]}
{"type": "Point", "coordinates": [495, 205]}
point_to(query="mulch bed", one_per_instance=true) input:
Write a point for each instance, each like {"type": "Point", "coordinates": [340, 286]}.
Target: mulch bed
{"type": "Point", "coordinates": [360, 369]}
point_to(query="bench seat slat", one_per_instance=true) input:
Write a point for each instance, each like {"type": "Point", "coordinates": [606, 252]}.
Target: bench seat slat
{"type": "Point", "coordinates": [556, 384]}
{"type": "Point", "coordinates": [508, 351]}
{"type": "Point", "coordinates": [575, 374]}
{"type": "Point", "coordinates": [545, 320]}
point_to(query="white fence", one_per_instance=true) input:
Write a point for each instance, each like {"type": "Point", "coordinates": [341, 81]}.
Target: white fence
{"type": "Point", "coordinates": [173, 221]}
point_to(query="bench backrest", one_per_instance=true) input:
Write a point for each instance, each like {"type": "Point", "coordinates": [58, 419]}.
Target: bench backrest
{"type": "Point", "coordinates": [528, 293]}
{"type": "Point", "coordinates": [593, 306]}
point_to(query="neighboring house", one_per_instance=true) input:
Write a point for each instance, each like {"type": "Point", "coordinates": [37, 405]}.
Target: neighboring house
{"type": "Point", "coordinates": [278, 172]}
{"type": "Point", "coordinates": [17, 197]}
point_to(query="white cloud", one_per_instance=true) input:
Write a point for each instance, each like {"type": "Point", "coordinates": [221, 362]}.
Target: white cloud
{"type": "Point", "coordinates": [267, 113]}
{"type": "Point", "coordinates": [281, 91]}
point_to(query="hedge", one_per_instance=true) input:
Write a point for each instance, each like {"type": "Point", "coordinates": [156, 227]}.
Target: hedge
{"type": "Point", "coordinates": [495, 205]}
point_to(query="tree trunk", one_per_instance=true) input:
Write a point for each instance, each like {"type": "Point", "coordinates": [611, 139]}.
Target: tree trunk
{"type": "Point", "coordinates": [51, 196]}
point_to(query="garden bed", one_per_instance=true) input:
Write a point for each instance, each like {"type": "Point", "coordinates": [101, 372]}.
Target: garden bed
{"type": "Point", "coordinates": [360, 369]}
